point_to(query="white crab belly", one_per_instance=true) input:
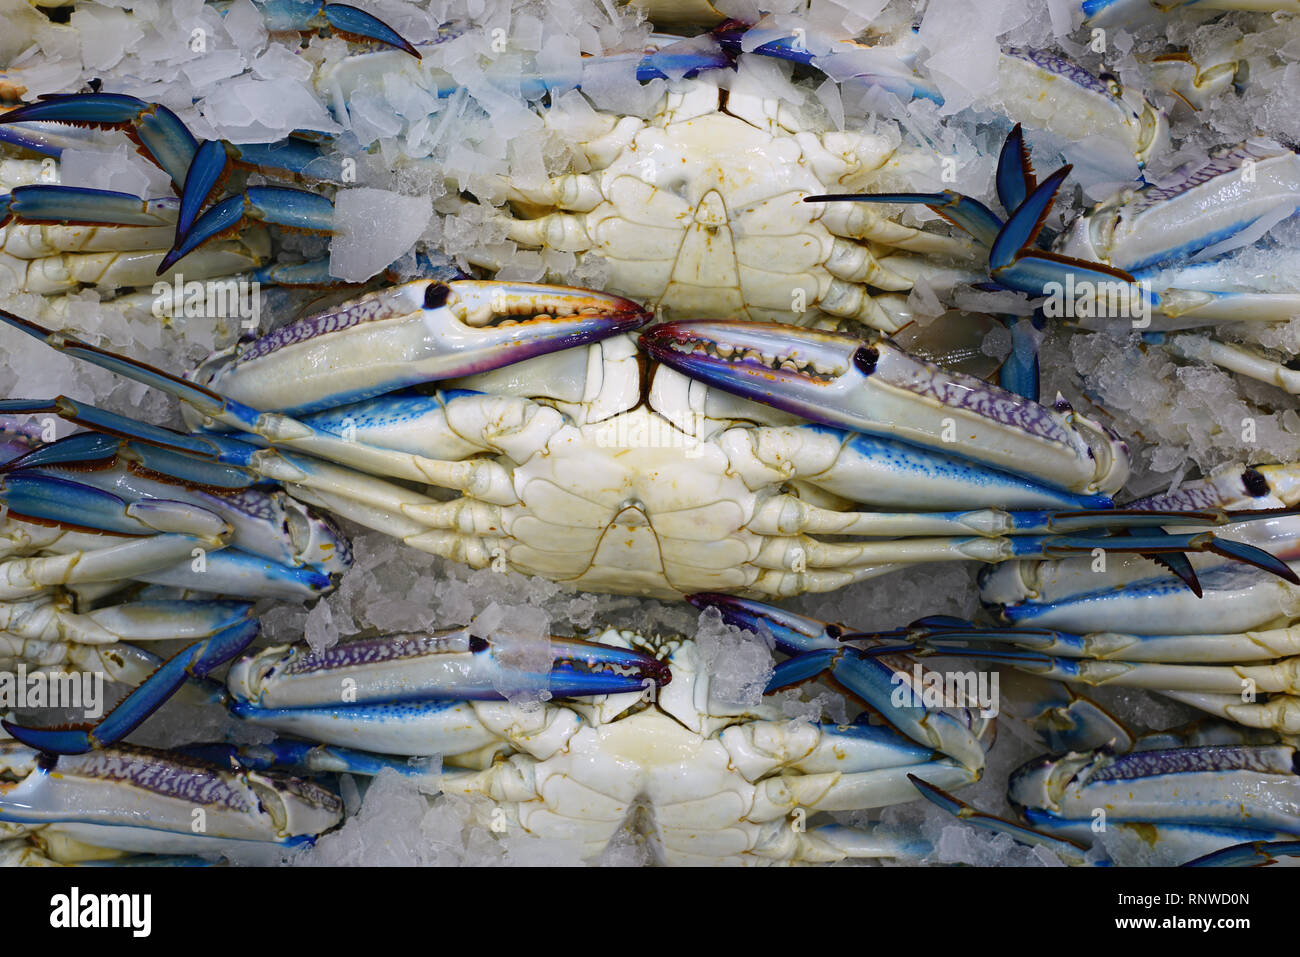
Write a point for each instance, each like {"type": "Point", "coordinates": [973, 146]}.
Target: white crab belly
{"type": "Point", "coordinates": [705, 218]}
{"type": "Point", "coordinates": [627, 507]}
{"type": "Point", "coordinates": [697, 803]}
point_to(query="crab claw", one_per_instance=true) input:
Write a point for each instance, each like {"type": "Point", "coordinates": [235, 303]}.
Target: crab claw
{"type": "Point", "coordinates": [448, 666]}
{"type": "Point", "coordinates": [283, 16]}
{"type": "Point", "coordinates": [421, 331]}
{"type": "Point", "coordinates": [278, 205]}
{"type": "Point", "coordinates": [878, 389]}
{"type": "Point", "coordinates": [159, 131]}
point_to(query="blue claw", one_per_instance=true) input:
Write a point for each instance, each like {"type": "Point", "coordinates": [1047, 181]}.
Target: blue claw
{"type": "Point", "coordinates": [1015, 176]}
{"type": "Point", "coordinates": [356, 23]}
{"type": "Point", "coordinates": [280, 205]}
{"type": "Point", "coordinates": [283, 16]}
{"type": "Point", "coordinates": [1242, 552]}
{"type": "Point", "coordinates": [584, 668]}
{"type": "Point", "coordinates": [159, 131]}
{"type": "Point", "coordinates": [196, 661]}
{"type": "Point", "coordinates": [1025, 223]}
{"type": "Point", "coordinates": [210, 168]}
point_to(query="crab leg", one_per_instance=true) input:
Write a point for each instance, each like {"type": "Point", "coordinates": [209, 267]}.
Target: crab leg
{"type": "Point", "coordinates": [164, 557]}
{"type": "Point", "coordinates": [82, 555]}
{"type": "Point", "coordinates": [196, 661]}
{"type": "Point", "coordinates": [1073, 596]}
{"type": "Point", "coordinates": [1159, 675]}
{"type": "Point", "coordinates": [119, 662]}
{"type": "Point", "coordinates": [21, 577]}
{"type": "Point", "coordinates": [140, 224]}
{"type": "Point", "coordinates": [1124, 649]}
{"type": "Point", "coordinates": [157, 619]}
{"type": "Point", "coordinates": [1234, 358]}
{"type": "Point", "coordinates": [781, 553]}
{"type": "Point", "coordinates": [158, 131]}
{"type": "Point", "coordinates": [140, 800]}
{"type": "Point", "coordinates": [304, 757]}
{"type": "Point", "coordinates": [277, 205]}
{"type": "Point", "coordinates": [818, 647]}
{"type": "Point", "coordinates": [264, 523]}
{"type": "Point", "coordinates": [835, 767]}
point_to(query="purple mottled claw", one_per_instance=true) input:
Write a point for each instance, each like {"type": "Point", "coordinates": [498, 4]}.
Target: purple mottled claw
{"type": "Point", "coordinates": [878, 389]}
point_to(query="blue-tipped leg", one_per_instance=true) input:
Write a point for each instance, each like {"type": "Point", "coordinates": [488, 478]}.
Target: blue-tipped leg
{"type": "Point", "coordinates": [71, 503]}
{"type": "Point", "coordinates": [159, 131]}
{"type": "Point", "coordinates": [1067, 851]}
{"type": "Point", "coordinates": [305, 757]}
{"type": "Point", "coordinates": [1025, 223]}
{"type": "Point", "coordinates": [1063, 546]}
{"type": "Point", "coordinates": [75, 204]}
{"type": "Point", "coordinates": [303, 15]}
{"type": "Point", "coordinates": [280, 205]}
{"type": "Point", "coordinates": [351, 22]}
{"type": "Point", "coordinates": [1015, 176]}
{"type": "Point", "coordinates": [1249, 854]}
{"type": "Point", "coordinates": [1020, 372]}
{"type": "Point", "coordinates": [204, 400]}
{"type": "Point", "coordinates": [196, 661]}
{"type": "Point", "coordinates": [110, 424]}
{"type": "Point", "coordinates": [970, 214]}
{"type": "Point", "coordinates": [210, 168]}
{"type": "Point", "coordinates": [794, 634]}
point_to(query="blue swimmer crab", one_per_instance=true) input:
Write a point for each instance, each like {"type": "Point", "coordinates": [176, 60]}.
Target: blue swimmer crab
{"type": "Point", "coordinates": [722, 456]}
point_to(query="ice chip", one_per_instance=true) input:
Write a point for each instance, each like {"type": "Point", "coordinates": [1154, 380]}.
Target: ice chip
{"type": "Point", "coordinates": [374, 227]}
